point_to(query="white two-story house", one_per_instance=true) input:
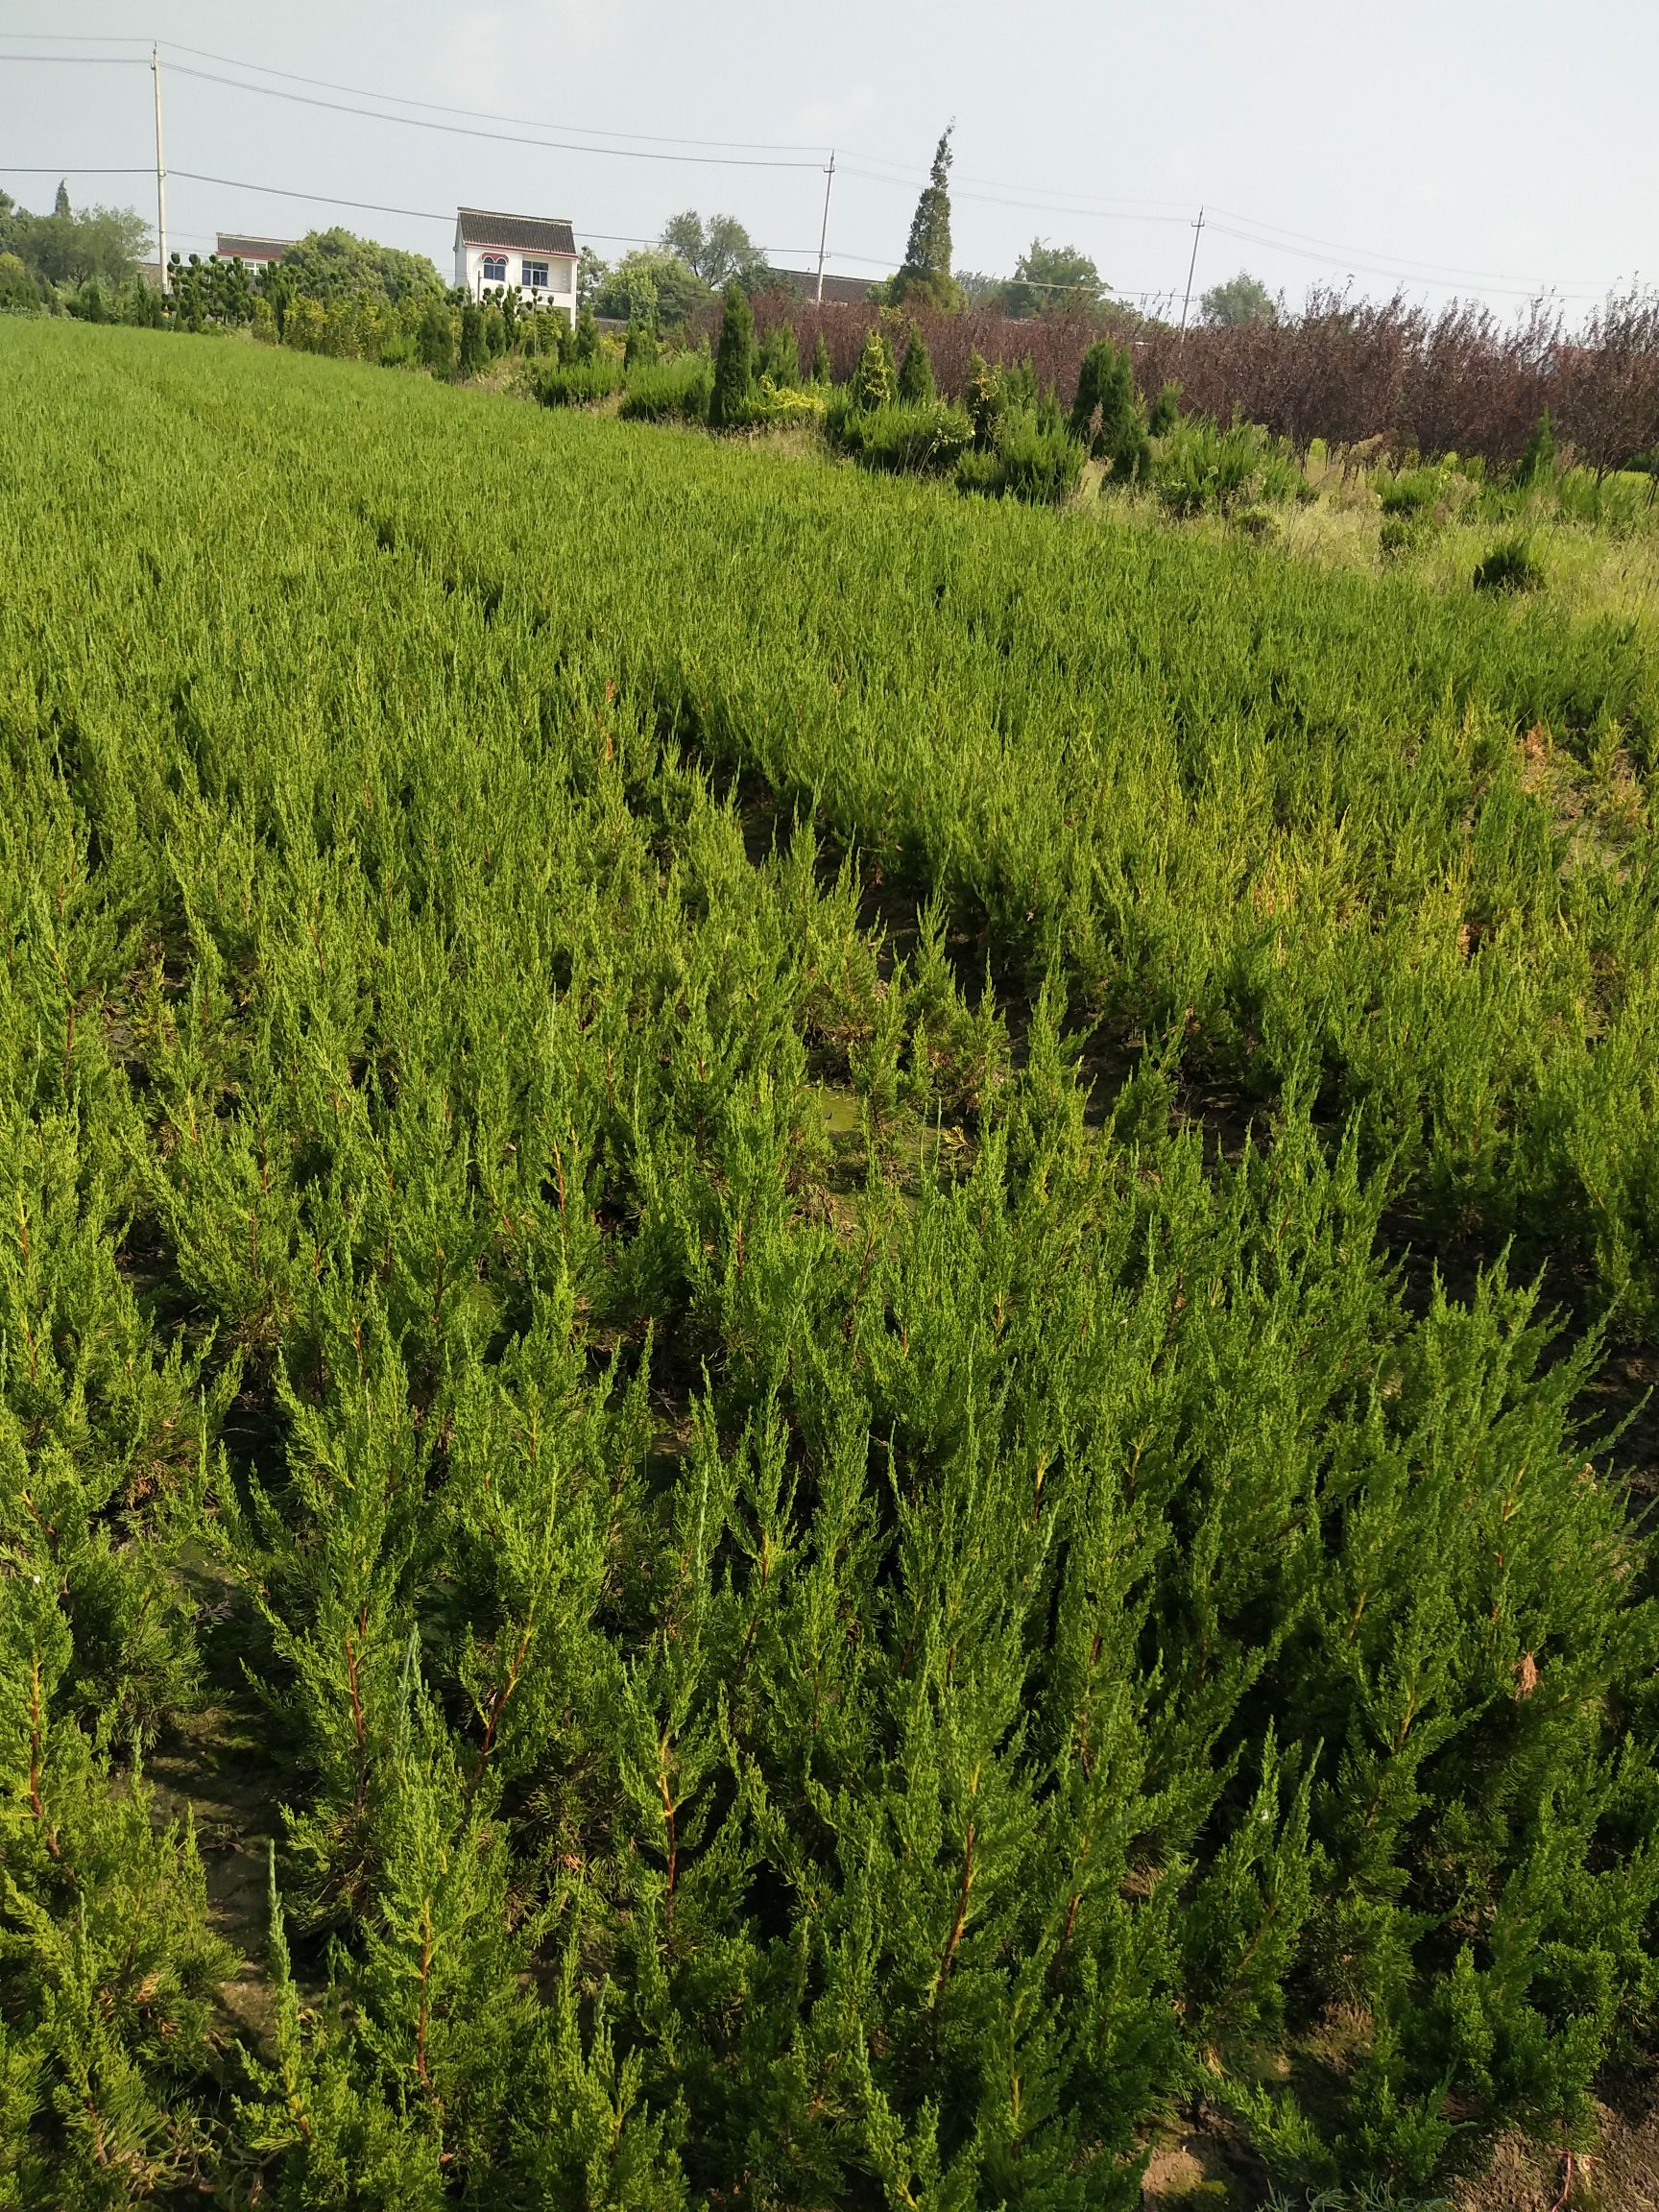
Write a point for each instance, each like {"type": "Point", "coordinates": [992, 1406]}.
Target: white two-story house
{"type": "Point", "coordinates": [535, 254]}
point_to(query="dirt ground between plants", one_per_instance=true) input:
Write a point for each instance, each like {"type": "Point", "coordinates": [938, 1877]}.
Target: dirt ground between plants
{"type": "Point", "coordinates": [1206, 2168]}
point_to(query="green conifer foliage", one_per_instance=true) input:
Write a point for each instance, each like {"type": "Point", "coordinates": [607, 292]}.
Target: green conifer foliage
{"type": "Point", "coordinates": [822, 373]}
{"type": "Point", "coordinates": [734, 362]}
{"type": "Point", "coordinates": [475, 353]}
{"type": "Point", "coordinates": [640, 349]}
{"type": "Point", "coordinates": [916, 385]}
{"type": "Point", "coordinates": [1108, 416]}
{"type": "Point", "coordinates": [925, 274]}
{"type": "Point", "coordinates": [584, 337]}
{"type": "Point", "coordinates": [875, 380]}
{"type": "Point", "coordinates": [785, 1658]}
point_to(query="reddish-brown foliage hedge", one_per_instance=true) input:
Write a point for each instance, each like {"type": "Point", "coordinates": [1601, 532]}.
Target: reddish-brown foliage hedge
{"type": "Point", "coordinates": [1458, 380]}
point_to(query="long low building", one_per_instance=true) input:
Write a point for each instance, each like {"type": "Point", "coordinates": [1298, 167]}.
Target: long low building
{"type": "Point", "coordinates": [534, 255]}
{"type": "Point", "coordinates": [838, 291]}
{"type": "Point", "coordinates": [258, 252]}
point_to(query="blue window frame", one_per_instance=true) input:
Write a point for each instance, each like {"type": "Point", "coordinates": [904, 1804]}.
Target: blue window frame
{"type": "Point", "coordinates": [494, 269]}
{"type": "Point", "coordinates": [535, 277]}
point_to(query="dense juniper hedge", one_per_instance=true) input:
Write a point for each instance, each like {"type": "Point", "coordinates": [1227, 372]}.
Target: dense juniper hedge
{"type": "Point", "coordinates": [838, 1583]}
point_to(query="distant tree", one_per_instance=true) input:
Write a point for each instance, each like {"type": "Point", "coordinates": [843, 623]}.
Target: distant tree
{"type": "Point", "coordinates": [336, 264]}
{"type": "Point", "coordinates": [651, 284]}
{"type": "Point", "coordinates": [978, 288]}
{"type": "Point", "coordinates": [1048, 280]}
{"type": "Point", "coordinates": [60, 205]}
{"type": "Point", "coordinates": [735, 362]}
{"type": "Point", "coordinates": [924, 277]}
{"type": "Point", "coordinates": [1242, 299]}
{"type": "Point", "coordinates": [18, 292]}
{"type": "Point", "coordinates": [640, 349]}
{"type": "Point", "coordinates": [1166, 410]}
{"type": "Point", "coordinates": [105, 243]}
{"type": "Point", "coordinates": [822, 373]}
{"type": "Point", "coordinates": [916, 385]}
{"type": "Point", "coordinates": [1108, 417]}
{"type": "Point", "coordinates": [591, 270]}
{"type": "Point", "coordinates": [717, 249]}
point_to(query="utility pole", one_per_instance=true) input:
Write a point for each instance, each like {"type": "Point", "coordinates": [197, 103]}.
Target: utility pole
{"type": "Point", "coordinates": [1197, 233]}
{"type": "Point", "coordinates": [823, 233]}
{"type": "Point", "coordinates": [161, 175]}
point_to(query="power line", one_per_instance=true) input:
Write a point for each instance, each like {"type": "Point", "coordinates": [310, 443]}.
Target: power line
{"type": "Point", "coordinates": [497, 137]}
{"type": "Point", "coordinates": [1303, 238]}
{"type": "Point", "coordinates": [484, 115]}
{"type": "Point", "coordinates": [1357, 267]}
{"type": "Point", "coordinates": [379, 208]}
{"type": "Point", "coordinates": [1300, 245]}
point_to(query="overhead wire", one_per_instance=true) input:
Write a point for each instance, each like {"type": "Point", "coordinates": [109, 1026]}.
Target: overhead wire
{"type": "Point", "coordinates": [735, 153]}
{"type": "Point", "coordinates": [544, 145]}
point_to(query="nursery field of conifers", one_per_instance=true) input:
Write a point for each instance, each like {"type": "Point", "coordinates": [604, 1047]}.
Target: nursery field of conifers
{"type": "Point", "coordinates": [848, 1289]}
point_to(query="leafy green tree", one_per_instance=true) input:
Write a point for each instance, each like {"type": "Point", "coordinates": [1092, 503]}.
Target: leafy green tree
{"type": "Point", "coordinates": [591, 270]}
{"type": "Point", "coordinates": [67, 249]}
{"type": "Point", "coordinates": [916, 384]}
{"type": "Point", "coordinates": [60, 205]}
{"type": "Point", "coordinates": [1048, 280]}
{"type": "Point", "coordinates": [979, 288]}
{"type": "Point", "coordinates": [1108, 416]}
{"type": "Point", "coordinates": [18, 292]}
{"type": "Point", "coordinates": [1242, 299]}
{"type": "Point", "coordinates": [1166, 410]}
{"type": "Point", "coordinates": [734, 361]}
{"type": "Point", "coordinates": [924, 277]}
{"type": "Point", "coordinates": [336, 264]}
{"type": "Point", "coordinates": [640, 349]}
{"type": "Point", "coordinates": [716, 249]}
{"type": "Point", "coordinates": [651, 284]}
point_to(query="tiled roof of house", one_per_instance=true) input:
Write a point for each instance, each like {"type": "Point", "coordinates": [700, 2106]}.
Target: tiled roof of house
{"type": "Point", "coordinates": [838, 291]}
{"type": "Point", "coordinates": [233, 245]}
{"type": "Point", "coordinates": [521, 233]}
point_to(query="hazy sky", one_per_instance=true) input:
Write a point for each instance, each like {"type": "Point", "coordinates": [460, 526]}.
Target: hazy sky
{"type": "Point", "coordinates": [1490, 147]}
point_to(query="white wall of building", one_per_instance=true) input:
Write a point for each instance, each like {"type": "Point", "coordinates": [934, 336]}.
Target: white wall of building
{"type": "Point", "coordinates": [560, 292]}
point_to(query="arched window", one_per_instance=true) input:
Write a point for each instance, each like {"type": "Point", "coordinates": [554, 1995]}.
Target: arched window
{"type": "Point", "coordinates": [494, 269]}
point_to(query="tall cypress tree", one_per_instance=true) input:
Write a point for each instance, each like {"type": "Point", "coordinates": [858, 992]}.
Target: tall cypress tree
{"type": "Point", "coordinates": [925, 272]}
{"type": "Point", "coordinates": [60, 205]}
{"type": "Point", "coordinates": [734, 363]}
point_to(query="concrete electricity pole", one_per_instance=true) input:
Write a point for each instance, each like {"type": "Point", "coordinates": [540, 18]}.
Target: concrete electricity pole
{"type": "Point", "coordinates": [823, 233]}
{"type": "Point", "coordinates": [1197, 233]}
{"type": "Point", "coordinates": [161, 175]}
